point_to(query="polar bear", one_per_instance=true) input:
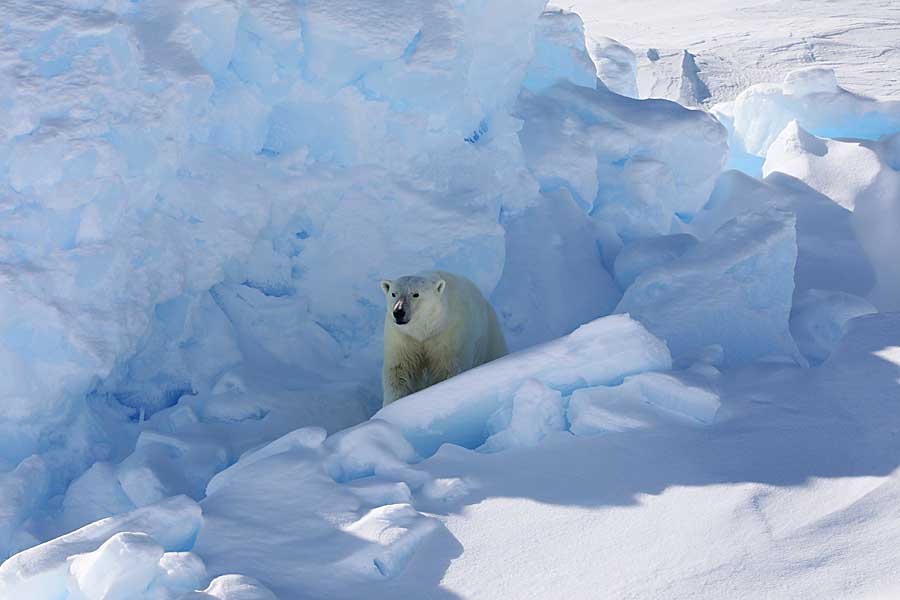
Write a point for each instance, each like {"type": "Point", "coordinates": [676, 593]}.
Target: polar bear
{"type": "Point", "coordinates": [437, 325]}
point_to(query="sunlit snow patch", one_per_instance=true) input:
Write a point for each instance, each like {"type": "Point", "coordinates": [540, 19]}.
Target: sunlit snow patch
{"type": "Point", "coordinates": [458, 410]}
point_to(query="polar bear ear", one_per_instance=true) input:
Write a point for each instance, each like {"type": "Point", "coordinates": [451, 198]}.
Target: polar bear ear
{"type": "Point", "coordinates": [386, 285]}
{"type": "Point", "coordinates": [439, 286]}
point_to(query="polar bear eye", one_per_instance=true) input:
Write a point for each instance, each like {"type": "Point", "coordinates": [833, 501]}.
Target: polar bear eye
{"type": "Point", "coordinates": [393, 294]}
{"type": "Point", "coordinates": [416, 295]}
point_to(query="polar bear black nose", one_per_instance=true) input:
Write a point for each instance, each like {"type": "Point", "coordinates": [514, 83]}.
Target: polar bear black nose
{"type": "Point", "coordinates": [399, 312]}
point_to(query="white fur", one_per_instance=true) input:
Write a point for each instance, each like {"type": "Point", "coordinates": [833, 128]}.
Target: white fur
{"type": "Point", "coordinates": [451, 329]}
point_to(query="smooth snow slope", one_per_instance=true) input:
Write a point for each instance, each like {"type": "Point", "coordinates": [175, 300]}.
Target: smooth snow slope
{"type": "Point", "coordinates": [737, 43]}
{"type": "Point", "coordinates": [792, 495]}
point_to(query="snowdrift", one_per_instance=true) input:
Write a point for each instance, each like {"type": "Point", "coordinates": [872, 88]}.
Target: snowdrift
{"type": "Point", "coordinates": [345, 503]}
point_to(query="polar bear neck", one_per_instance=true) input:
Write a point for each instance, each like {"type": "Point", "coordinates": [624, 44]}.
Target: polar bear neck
{"type": "Point", "coordinates": [427, 325]}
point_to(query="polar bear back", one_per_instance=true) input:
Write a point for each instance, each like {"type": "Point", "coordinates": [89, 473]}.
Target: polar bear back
{"type": "Point", "coordinates": [475, 322]}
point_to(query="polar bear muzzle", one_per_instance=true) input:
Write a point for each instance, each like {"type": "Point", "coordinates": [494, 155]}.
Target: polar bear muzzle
{"type": "Point", "coordinates": [401, 315]}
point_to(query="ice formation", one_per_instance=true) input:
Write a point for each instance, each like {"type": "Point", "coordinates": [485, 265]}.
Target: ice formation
{"type": "Point", "coordinates": [459, 410]}
{"type": "Point", "coordinates": [616, 65]}
{"type": "Point", "coordinates": [182, 219]}
{"type": "Point", "coordinates": [346, 502]}
{"type": "Point", "coordinates": [843, 171]}
{"type": "Point", "coordinates": [642, 255]}
{"type": "Point", "coordinates": [622, 159]}
{"type": "Point", "coordinates": [818, 318]}
{"type": "Point", "coordinates": [829, 253]}
{"type": "Point", "coordinates": [859, 176]}
{"type": "Point", "coordinates": [642, 401]}
{"type": "Point", "coordinates": [812, 97]}
{"type": "Point", "coordinates": [198, 199]}
{"type": "Point", "coordinates": [733, 289]}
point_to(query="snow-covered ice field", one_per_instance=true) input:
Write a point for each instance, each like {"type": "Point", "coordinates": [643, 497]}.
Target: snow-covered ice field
{"type": "Point", "coordinates": [738, 43]}
{"type": "Point", "coordinates": [686, 215]}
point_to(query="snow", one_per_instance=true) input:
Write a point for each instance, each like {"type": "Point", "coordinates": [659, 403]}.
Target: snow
{"type": "Point", "coordinates": [124, 563]}
{"type": "Point", "coordinates": [535, 410]}
{"type": "Point", "coordinates": [733, 289]}
{"type": "Point", "coordinates": [233, 587]}
{"type": "Point", "coordinates": [855, 175]}
{"type": "Point", "coordinates": [459, 410]}
{"type": "Point", "coordinates": [643, 401]}
{"type": "Point", "coordinates": [546, 246]}
{"type": "Point", "coordinates": [321, 524]}
{"type": "Point", "coordinates": [622, 159]}
{"type": "Point", "coordinates": [642, 255]}
{"type": "Point", "coordinates": [616, 65]}
{"type": "Point", "coordinates": [830, 255]}
{"type": "Point", "coordinates": [818, 318]}
{"type": "Point", "coordinates": [811, 97]}
{"type": "Point", "coordinates": [688, 232]}
{"type": "Point", "coordinates": [42, 571]}
{"type": "Point", "coordinates": [739, 43]}
{"type": "Point", "coordinates": [844, 171]}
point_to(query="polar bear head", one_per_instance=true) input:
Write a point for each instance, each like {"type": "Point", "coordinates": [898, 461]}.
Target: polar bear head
{"type": "Point", "coordinates": [416, 304]}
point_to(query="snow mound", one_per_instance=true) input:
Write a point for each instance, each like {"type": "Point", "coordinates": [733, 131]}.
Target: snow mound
{"type": "Point", "coordinates": [535, 411]}
{"type": "Point", "coordinates": [644, 401]}
{"type": "Point", "coordinates": [857, 176]}
{"type": "Point", "coordinates": [394, 533]}
{"type": "Point", "coordinates": [733, 289]}
{"type": "Point", "coordinates": [95, 495]}
{"type": "Point", "coordinates": [812, 97]}
{"type": "Point", "coordinates": [843, 171]}
{"type": "Point", "coordinates": [371, 448]}
{"type": "Point", "coordinates": [22, 492]}
{"type": "Point", "coordinates": [124, 564]}
{"type": "Point", "coordinates": [182, 448]}
{"type": "Point", "coordinates": [43, 571]}
{"type": "Point", "coordinates": [232, 587]}
{"type": "Point", "coordinates": [341, 506]}
{"type": "Point", "coordinates": [459, 410]}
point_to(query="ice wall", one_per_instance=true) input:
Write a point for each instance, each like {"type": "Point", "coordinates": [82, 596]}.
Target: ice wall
{"type": "Point", "coordinates": [192, 188]}
{"type": "Point", "coordinates": [184, 216]}
{"type": "Point", "coordinates": [734, 290]}
{"type": "Point", "coordinates": [637, 165]}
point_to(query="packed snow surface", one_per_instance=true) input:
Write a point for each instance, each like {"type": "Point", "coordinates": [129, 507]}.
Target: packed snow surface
{"type": "Point", "coordinates": [738, 43]}
{"type": "Point", "coordinates": [685, 216]}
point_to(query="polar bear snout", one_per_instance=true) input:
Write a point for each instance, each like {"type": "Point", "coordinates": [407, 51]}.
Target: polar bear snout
{"type": "Point", "coordinates": [401, 316]}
